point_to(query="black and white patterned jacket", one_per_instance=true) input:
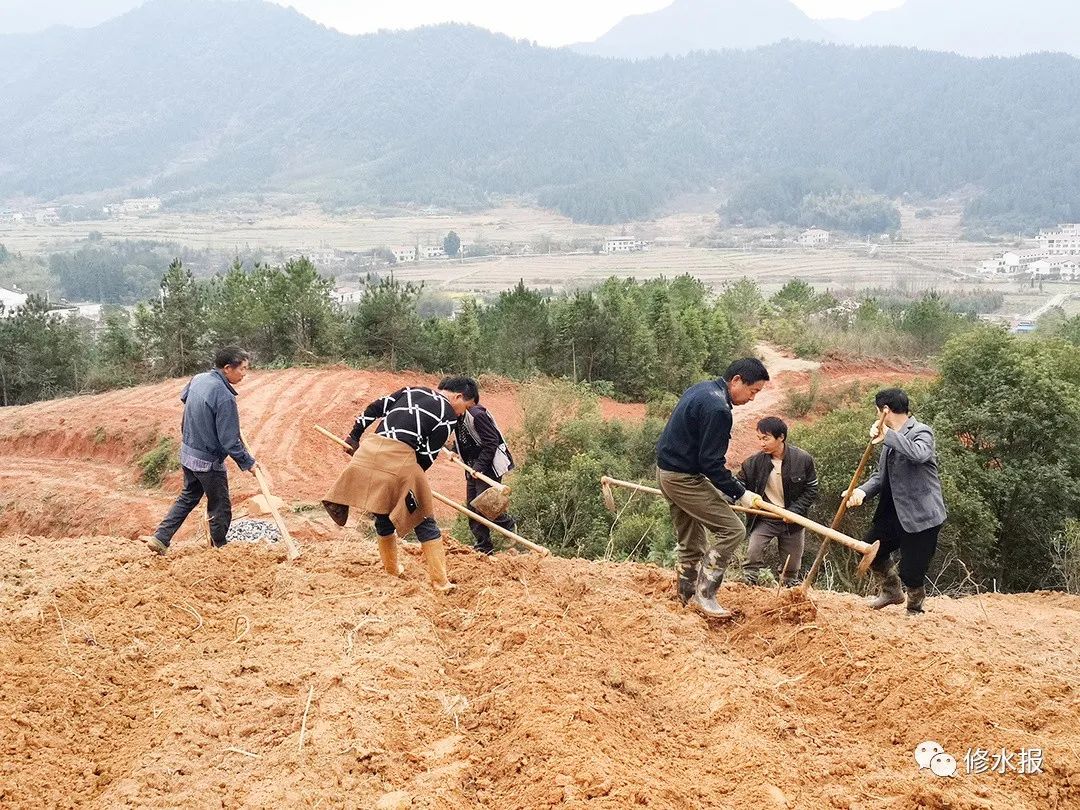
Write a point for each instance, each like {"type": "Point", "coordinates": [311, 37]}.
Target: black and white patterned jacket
{"type": "Point", "coordinates": [418, 417]}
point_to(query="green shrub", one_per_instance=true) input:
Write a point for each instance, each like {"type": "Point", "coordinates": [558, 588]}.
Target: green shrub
{"type": "Point", "coordinates": [158, 462]}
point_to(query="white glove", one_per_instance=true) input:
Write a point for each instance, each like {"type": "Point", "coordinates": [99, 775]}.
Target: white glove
{"type": "Point", "coordinates": [856, 499]}
{"type": "Point", "coordinates": [747, 499]}
{"type": "Point", "coordinates": [878, 436]}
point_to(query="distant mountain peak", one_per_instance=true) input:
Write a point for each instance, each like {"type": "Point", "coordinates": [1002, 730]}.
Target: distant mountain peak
{"type": "Point", "coordinates": [698, 25]}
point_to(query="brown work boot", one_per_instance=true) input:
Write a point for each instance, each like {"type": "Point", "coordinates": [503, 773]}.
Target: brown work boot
{"type": "Point", "coordinates": [388, 553]}
{"type": "Point", "coordinates": [435, 559]}
{"type": "Point", "coordinates": [154, 544]}
{"type": "Point", "coordinates": [890, 591]}
{"type": "Point", "coordinates": [709, 579]}
{"type": "Point", "coordinates": [915, 597]}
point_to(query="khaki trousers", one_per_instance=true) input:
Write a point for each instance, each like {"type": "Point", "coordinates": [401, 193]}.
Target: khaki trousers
{"type": "Point", "coordinates": [698, 507]}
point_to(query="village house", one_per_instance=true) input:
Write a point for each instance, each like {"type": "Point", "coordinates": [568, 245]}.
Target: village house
{"type": "Point", "coordinates": [10, 300]}
{"type": "Point", "coordinates": [625, 245]}
{"type": "Point", "coordinates": [814, 237]}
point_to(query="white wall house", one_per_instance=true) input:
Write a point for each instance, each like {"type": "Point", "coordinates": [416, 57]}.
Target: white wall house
{"type": "Point", "coordinates": [404, 254]}
{"type": "Point", "coordinates": [10, 300]}
{"type": "Point", "coordinates": [814, 237]}
{"type": "Point", "coordinates": [433, 252]}
{"type": "Point", "coordinates": [625, 245]}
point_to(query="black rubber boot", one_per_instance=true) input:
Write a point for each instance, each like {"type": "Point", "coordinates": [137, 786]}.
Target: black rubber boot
{"type": "Point", "coordinates": [709, 578]}
{"type": "Point", "coordinates": [684, 585]}
{"type": "Point", "coordinates": [915, 597]}
{"type": "Point", "coordinates": [891, 591]}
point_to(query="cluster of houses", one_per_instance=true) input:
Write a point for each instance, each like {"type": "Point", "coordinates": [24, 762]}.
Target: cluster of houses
{"type": "Point", "coordinates": [54, 215]}
{"type": "Point", "coordinates": [1056, 257]}
{"type": "Point", "coordinates": [417, 252]}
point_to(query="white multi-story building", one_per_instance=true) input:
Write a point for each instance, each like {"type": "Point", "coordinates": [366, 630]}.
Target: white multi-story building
{"type": "Point", "coordinates": [625, 245]}
{"type": "Point", "coordinates": [405, 254]}
{"type": "Point", "coordinates": [1065, 241]}
{"type": "Point", "coordinates": [814, 237]}
{"type": "Point", "coordinates": [433, 252]}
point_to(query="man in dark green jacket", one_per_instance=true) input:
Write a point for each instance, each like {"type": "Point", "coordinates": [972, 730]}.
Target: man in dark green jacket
{"type": "Point", "coordinates": [785, 476]}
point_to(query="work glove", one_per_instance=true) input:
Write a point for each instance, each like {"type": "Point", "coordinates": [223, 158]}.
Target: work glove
{"type": "Point", "coordinates": [747, 499]}
{"type": "Point", "coordinates": [877, 435]}
{"type": "Point", "coordinates": [353, 444]}
{"type": "Point", "coordinates": [856, 499]}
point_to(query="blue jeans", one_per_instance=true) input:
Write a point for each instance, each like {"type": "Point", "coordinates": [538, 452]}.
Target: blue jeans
{"type": "Point", "coordinates": [215, 485]}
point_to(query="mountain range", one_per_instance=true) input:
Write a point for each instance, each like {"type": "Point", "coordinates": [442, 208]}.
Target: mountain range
{"type": "Point", "coordinates": [968, 27]}
{"type": "Point", "coordinates": [193, 98]}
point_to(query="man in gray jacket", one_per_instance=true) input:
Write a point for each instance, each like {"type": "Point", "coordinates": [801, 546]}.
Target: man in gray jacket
{"type": "Point", "coordinates": [910, 510]}
{"type": "Point", "coordinates": [211, 433]}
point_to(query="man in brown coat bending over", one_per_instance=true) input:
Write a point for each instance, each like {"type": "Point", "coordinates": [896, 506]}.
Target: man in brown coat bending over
{"type": "Point", "coordinates": [386, 475]}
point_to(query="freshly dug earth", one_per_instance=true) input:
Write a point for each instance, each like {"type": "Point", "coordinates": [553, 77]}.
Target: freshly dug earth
{"type": "Point", "coordinates": [184, 681]}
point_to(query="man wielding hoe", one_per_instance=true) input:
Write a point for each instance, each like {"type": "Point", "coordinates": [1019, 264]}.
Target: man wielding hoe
{"type": "Point", "coordinates": [386, 476]}
{"type": "Point", "coordinates": [910, 508]}
{"type": "Point", "coordinates": [691, 468]}
{"type": "Point", "coordinates": [210, 433]}
{"type": "Point", "coordinates": [786, 476]}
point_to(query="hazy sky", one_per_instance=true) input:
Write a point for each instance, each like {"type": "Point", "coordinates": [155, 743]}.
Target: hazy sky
{"type": "Point", "coordinates": [549, 22]}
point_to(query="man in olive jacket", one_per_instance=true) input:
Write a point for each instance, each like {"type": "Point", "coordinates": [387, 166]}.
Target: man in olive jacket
{"type": "Point", "coordinates": [784, 475]}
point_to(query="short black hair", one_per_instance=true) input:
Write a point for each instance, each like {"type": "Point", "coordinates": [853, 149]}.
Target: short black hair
{"type": "Point", "coordinates": [230, 356]}
{"type": "Point", "coordinates": [895, 399]}
{"type": "Point", "coordinates": [466, 386]}
{"type": "Point", "coordinates": [773, 425]}
{"type": "Point", "coordinates": [749, 369]}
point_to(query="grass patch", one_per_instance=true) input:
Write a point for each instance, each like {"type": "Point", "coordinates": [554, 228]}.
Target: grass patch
{"type": "Point", "coordinates": [158, 462]}
{"type": "Point", "coordinates": [99, 436]}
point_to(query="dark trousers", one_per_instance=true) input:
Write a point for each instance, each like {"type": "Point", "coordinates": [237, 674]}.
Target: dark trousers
{"type": "Point", "coordinates": [427, 530]}
{"type": "Point", "coordinates": [916, 549]}
{"type": "Point", "coordinates": [215, 485]}
{"type": "Point", "coordinates": [480, 532]}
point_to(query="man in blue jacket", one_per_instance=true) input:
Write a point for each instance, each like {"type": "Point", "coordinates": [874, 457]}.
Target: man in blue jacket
{"type": "Point", "coordinates": [211, 433]}
{"type": "Point", "coordinates": [691, 468]}
{"type": "Point", "coordinates": [910, 508]}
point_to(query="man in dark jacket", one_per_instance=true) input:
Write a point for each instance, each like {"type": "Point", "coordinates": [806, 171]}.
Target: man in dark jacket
{"type": "Point", "coordinates": [910, 511]}
{"type": "Point", "coordinates": [784, 475]}
{"type": "Point", "coordinates": [691, 468]}
{"type": "Point", "coordinates": [481, 445]}
{"type": "Point", "coordinates": [210, 433]}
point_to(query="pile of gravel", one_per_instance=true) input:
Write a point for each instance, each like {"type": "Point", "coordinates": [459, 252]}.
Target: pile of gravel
{"type": "Point", "coordinates": [250, 530]}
